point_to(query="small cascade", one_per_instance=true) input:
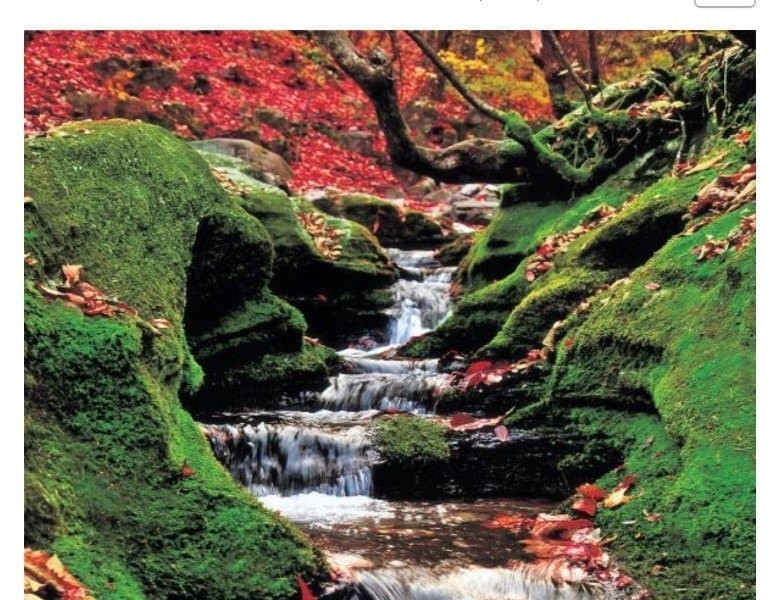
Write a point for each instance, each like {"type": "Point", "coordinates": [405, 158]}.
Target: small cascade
{"type": "Point", "coordinates": [288, 459]}
{"type": "Point", "coordinates": [421, 302]}
{"type": "Point", "coordinates": [468, 584]}
{"type": "Point", "coordinates": [415, 392]}
{"type": "Point", "coordinates": [359, 364]}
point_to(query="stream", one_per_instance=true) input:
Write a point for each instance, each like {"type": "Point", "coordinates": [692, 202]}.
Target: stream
{"type": "Point", "coordinates": [315, 465]}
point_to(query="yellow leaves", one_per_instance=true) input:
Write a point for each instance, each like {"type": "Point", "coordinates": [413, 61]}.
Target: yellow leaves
{"type": "Point", "coordinates": [116, 84]}
{"type": "Point", "coordinates": [618, 497]}
{"type": "Point", "coordinates": [325, 237]}
{"type": "Point", "coordinates": [464, 65]}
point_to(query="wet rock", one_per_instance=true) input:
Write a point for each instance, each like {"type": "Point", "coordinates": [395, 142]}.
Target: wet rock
{"type": "Point", "coordinates": [527, 464]}
{"type": "Point", "coordinates": [393, 226]}
{"type": "Point", "coordinates": [263, 164]}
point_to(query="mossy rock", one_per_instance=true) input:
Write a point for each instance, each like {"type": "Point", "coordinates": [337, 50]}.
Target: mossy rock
{"type": "Point", "coordinates": [522, 222]}
{"type": "Point", "coordinates": [689, 349]}
{"type": "Point", "coordinates": [263, 325]}
{"type": "Point", "coordinates": [403, 438]}
{"type": "Point", "coordinates": [510, 237]}
{"type": "Point", "coordinates": [105, 435]}
{"type": "Point", "coordinates": [267, 379]}
{"type": "Point", "coordinates": [393, 226]}
{"type": "Point", "coordinates": [104, 445]}
{"type": "Point", "coordinates": [231, 265]}
{"type": "Point", "coordinates": [326, 291]}
{"type": "Point", "coordinates": [549, 299]}
{"type": "Point", "coordinates": [452, 253]}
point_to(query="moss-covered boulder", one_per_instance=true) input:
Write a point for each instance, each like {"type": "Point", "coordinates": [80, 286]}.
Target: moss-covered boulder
{"type": "Point", "coordinates": [106, 438]}
{"type": "Point", "coordinates": [393, 226]}
{"type": "Point", "coordinates": [686, 350]}
{"type": "Point", "coordinates": [510, 316]}
{"type": "Point", "coordinates": [330, 291]}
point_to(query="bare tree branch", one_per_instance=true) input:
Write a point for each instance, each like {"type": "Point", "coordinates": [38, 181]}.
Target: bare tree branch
{"type": "Point", "coordinates": [556, 46]}
{"type": "Point", "coordinates": [470, 160]}
{"type": "Point", "coordinates": [445, 69]}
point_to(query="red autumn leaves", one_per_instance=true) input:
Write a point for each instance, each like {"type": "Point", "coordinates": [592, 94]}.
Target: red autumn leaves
{"type": "Point", "coordinates": [84, 296]}
{"type": "Point", "coordinates": [565, 549]}
{"type": "Point", "coordinates": [46, 577]}
{"type": "Point", "coordinates": [542, 260]}
{"type": "Point", "coordinates": [570, 549]}
{"type": "Point", "coordinates": [724, 194]}
{"type": "Point", "coordinates": [277, 85]}
{"type": "Point", "coordinates": [590, 495]}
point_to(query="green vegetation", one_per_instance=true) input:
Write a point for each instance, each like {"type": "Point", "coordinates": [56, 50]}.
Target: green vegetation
{"type": "Point", "coordinates": [404, 438]}
{"type": "Point", "coordinates": [105, 435]}
{"type": "Point", "coordinates": [393, 226]}
{"type": "Point", "coordinates": [691, 348]}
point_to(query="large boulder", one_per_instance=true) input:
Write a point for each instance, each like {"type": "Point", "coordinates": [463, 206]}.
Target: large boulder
{"type": "Point", "coordinates": [350, 284]}
{"type": "Point", "coordinates": [106, 438]}
{"type": "Point", "coordinates": [394, 226]}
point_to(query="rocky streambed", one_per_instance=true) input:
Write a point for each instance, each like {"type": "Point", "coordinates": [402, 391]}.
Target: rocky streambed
{"type": "Point", "coordinates": [395, 528]}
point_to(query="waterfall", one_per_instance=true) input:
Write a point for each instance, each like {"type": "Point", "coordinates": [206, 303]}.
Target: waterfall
{"type": "Point", "coordinates": [288, 459]}
{"type": "Point", "coordinates": [421, 303]}
{"type": "Point", "coordinates": [411, 391]}
{"type": "Point", "coordinates": [524, 583]}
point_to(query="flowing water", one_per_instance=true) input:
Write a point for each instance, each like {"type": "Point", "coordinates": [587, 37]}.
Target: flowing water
{"type": "Point", "coordinates": [315, 467]}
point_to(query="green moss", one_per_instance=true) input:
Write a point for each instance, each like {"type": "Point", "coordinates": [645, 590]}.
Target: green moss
{"type": "Point", "coordinates": [266, 377]}
{"type": "Point", "coordinates": [688, 348]}
{"type": "Point", "coordinates": [144, 182]}
{"type": "Point", "coordinates": [549, 300]}
{"type": "Point", "coordinates": [451, 253]}
{"type": "Point", "coordinates": [299, 267]}
{"type": "Point", "coordinates": [232, 261]}
{"type": "Point", "coordinates": [105, 436]}
{"type": "Point", "coordinates": [105, 441]}
{"type": "Point", "coordinates": [404, 438]}
{"type": "Point", "coordinates": [263, 325]}
{"type": "Point", "coordinates": [510, 237]}
{"type": "Point", "coordinates": [391, 224]}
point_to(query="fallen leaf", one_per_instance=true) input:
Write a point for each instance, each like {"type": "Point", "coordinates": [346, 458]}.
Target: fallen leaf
{"type": "Point", "coordinates": [186, 470]}
{"type": "Point", "coordinates": [502, 433]}
{"type": "Point", "coordinates": [43, 571]}
{"type": "Point", "coordinates": [653, 286]}
{"type": "Point", "coordinates": [71, 273]}
{"type": "Point", "coordinates": [563, 527]}
{"type": "Point", "coordinates": [504, 521]}
{"type": "Point", "coordinates": [707, 164]}
{"type": "Point", "coordinates": [742, 136]}
{"type": "Point", "coordinates": [160, 323]}
{"type": "Point", "coordinates": [306, 593]}
{"type": "Point", "coordinates": [618, 496]}
{"type": "Point", "coordinates": [585, 506]}
{"type": "Point", "coordinates": [29, 260]}
{"type": "Point", "coordinates": [589, 490]}
{"type": "Point", "coordinates": [651, 517]}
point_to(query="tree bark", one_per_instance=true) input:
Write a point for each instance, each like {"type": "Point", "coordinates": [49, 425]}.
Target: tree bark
{"type": "Point", "coordinates": [471, 160]}
{"type": "Point", "coordinates": [556, 46]}
{"type": "Point", "coordinates": [522, 157]}
{"type": "Point", "coordinates": [593, 56]}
